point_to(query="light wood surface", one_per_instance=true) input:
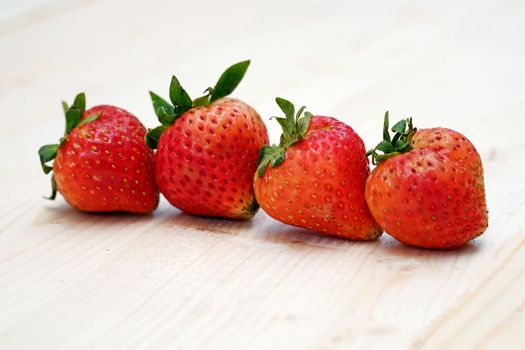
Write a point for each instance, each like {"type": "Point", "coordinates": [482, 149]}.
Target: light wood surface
{"type": "Point", "coordinates": [70, 280]}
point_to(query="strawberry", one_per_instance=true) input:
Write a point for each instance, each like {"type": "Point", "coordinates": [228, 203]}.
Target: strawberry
{"type": "Point", "coordinates": [315, 178]}
{"type": "Point", "coordinates": [102, 163]}
{"type": "Point", "coordinates": [427, 189]}
{"type": "Point", "coordinates": [207, 149]}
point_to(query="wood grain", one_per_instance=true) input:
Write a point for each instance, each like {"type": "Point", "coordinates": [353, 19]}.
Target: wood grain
{"type": "Point", "coordinates": [69, 280]}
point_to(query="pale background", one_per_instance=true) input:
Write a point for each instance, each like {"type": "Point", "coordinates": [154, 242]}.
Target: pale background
{"type": "Point", "coordinates": [69, 280]}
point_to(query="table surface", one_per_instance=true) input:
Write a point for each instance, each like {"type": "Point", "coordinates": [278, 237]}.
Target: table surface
{"type": "Point", "coordinates": [70, 280]}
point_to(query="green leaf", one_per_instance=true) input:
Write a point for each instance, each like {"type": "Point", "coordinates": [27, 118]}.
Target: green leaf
{"type": "Point", "coordinates": [278, 157]}
{"type": "Point", "coordinates": [401, 145]}
{"type": "Point", "coordinates": [289, 110]}
{"type": "Point", "coordinates": [229, 80]}
{"type": "Point", "coordinates": [382, 157]}
{"type": "Point", "coordinates": [47, 153]}
{"type": "Point", "coordinates": [282, 122]}
{"type": "Point", "coordinates": [273, 155]}
{"type": "Point", "coordinates": [396, 137]}
{"type": "Point", "coordinates": [90, 119]}
{"type": "Point", "coordinates": [153, 136]}
{"type": "Point", "coordinates": [264, 160]}
{"type": "Point", "coordinates": [75, 112]}
{"type": "Point", "coordinates": [163, 109]}
{"type": "Point", "coordinates": [287, 140]}
{"type": "Point", "coordinates": [72, 119]}
{"type": "Point", "coordinates": [299, 112]}
{"type": "Point", "coordinates": [179, 97]}
{"type": "Point", "coordinates": [386, 134]}
{"type": "Point", "coordinates": [411, 132]}
{"type": "Point", "coordinates": [46, 168]}
{"type": "Point", "coordinates": [400, 126]}
{"type": "Point", "coordinates": [385, 147]}
{"type": "Point", "coordinates": [80, 102]}
{"type": "Point", "coordinates": [53, 189]}
{"type": "Point", "coordinates": [303, 123]}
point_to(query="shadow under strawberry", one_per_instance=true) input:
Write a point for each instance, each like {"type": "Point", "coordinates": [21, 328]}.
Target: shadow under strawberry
{"type": "Point", "coordinates": [209, 224]}
{"type": "Point", "coordinates": [391, 247]}
{"type": "Point", "coordinates": [300, 238]}
{"type": "Point", "coordinates": [63, 214]}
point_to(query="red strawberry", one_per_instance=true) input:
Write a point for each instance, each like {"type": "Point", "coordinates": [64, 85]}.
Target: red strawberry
{"type": "Point", "coordinates": [317, 176]}
{"type": "Point", "coordinates": [427, 189]}
{"type": "Point", "coordinates": [207, 149]}
{"type": "Point", "coordinates": [102, 163]}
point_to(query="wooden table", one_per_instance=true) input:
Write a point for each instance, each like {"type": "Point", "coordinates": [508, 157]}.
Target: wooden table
{"type": "Point", "coordinates": [70, 280]}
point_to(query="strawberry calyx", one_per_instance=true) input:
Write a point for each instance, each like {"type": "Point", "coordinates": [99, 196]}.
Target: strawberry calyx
{"type": "Point", "coordinates": [73, 116]}
{"type": "Point", "coordinates": [167, 113]}
{"type": "Point", "coordinates": [399, 143]}
{"type": "Point", "coordinates": [294, 128]}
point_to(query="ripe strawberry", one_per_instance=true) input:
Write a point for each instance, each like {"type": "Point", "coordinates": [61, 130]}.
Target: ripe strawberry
{"type": "Point", "coordinates": [317, 176]}
{"type": "Point", "coordinates": [427, 189]}
{"type": "Point", "coordinates": [102, 163]}
{"type": "Point", "coordinates": [207, 149]}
